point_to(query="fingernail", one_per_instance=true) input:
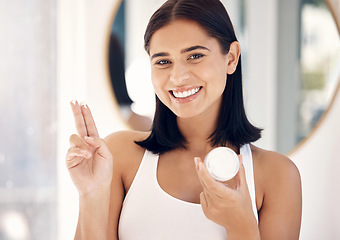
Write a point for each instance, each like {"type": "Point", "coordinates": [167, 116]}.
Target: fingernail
{"type": "Point", "coordinates": [196, 161]}
{"type": "Point", "coordinates": [83, 104]}
{"type": "Point", "coordinates": [200, 165]}
{"type": "Point", "coordinates": [74, 102]}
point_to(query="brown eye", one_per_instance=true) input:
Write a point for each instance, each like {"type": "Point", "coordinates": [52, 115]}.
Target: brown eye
{"type": "Point", "coordinates": [163, 62]}
{"type": "Point", "coordinates": [196, 56]}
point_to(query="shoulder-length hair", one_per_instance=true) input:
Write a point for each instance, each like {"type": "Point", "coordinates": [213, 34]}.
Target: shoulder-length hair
{"type": "Point", "coordinates": [233, 126]}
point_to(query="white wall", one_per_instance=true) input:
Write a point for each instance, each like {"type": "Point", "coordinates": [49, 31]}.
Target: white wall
{"type": "Point", "coordinates": [318, 161]}
{"type": "Point", "coordinates": [259, 79]}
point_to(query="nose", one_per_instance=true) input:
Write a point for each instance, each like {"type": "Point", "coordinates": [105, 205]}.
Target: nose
{"type": "Point", "coordinates": [179, 73]}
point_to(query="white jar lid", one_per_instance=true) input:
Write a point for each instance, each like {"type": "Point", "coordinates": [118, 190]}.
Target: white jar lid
{"type": "Point", "coordinates": [222, 163]}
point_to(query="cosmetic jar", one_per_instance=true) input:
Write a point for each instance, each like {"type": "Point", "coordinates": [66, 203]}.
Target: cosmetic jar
{"type": "Point", "coordinates": [222, 163]}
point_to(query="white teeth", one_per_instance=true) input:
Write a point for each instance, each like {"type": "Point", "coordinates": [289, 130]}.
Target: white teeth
{"type": "Point", "coordinates": [185, 94]}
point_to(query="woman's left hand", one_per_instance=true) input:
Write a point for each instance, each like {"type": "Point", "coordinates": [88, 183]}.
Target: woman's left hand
{"type": "Point", "coordinates": [230, 208]}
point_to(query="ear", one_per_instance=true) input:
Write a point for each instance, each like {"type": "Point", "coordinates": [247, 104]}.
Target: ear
{"type": "Point", "coordinates": [233, 57]}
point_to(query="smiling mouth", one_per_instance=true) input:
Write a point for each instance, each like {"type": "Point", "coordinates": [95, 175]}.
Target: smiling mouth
{"type": "Point", "coordinates": [185, 94]}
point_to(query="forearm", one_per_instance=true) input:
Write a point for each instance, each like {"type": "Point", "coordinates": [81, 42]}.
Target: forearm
{"type": "Point", "coordinates": [248, 231]}
{"type": "Point", "coordinates": [93, 215]}
{"type": "Point", "coordinates": [249, 236]}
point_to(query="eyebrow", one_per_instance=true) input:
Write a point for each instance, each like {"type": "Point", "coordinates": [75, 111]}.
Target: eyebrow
{"type": "Point", "coordinates": [189, 49]}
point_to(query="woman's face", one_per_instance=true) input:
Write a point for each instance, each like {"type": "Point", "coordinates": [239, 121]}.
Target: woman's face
{"type": "Point", "coordinates": [188, 69]}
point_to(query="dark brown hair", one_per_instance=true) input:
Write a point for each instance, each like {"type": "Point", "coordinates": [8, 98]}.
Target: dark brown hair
{"type": "Point", "coordinates": [233, 126]}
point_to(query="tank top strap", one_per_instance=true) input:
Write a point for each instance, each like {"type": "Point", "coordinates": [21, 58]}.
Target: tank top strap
{"type": "Point", "coordinates": [247, 157]}
{"type": "Point", "coordinates": [145, 174]}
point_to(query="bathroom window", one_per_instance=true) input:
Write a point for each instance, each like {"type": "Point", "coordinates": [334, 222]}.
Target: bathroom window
{"type": "Point", "coordinates": [28, 121]}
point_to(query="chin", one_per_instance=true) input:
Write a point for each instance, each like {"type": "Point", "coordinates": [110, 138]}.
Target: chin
{"type": "Point", "coordinates": [187, 114]}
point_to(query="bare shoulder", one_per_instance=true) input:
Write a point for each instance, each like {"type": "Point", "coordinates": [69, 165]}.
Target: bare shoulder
{"type": "Point", "coordinates": [273, 164]}
{"type": "Point", "coordinates": [122, 143]}
{"type": "Point", "coordinates": [278, 194]}
{"type": "Point", "coordinates": [276, 177]}
{"type": "Point", "coordinates": [127, 155]}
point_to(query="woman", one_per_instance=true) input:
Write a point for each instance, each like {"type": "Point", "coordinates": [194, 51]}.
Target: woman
{"type": "Point", "coordinates": [154, 185]}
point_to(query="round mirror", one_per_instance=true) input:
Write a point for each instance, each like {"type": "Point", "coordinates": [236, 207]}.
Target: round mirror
{"type": "Point", "coordinates": [320, 63]}
{"type": "Point", "coordinates": [317, 54]}
{"type": "Point", "coordinates": [130, 85]}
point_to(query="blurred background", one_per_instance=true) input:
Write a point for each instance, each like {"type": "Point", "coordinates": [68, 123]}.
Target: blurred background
{"type": "Point", "coordinates": [54, 51]}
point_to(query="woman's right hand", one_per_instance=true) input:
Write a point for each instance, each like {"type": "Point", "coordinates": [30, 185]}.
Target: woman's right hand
{"type": "Point", "coordinates": [89, 161]}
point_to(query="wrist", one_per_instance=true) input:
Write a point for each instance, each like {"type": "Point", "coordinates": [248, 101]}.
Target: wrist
{"type": "Point", "coordinates": [93, 201]}
{"type": "Point", "coordinates": [98, 192]}
{"type": "Point", "coordinates": [93, 214]}
{"type": "Point", "coordinates": [95, 204]}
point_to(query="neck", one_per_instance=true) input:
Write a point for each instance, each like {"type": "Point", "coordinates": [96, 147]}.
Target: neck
{"type": "Point", "coordinates": [197, 130]}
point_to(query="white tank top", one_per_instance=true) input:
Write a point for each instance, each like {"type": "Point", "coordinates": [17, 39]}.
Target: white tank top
{"type": "Point", "coordinates": [149, 213]}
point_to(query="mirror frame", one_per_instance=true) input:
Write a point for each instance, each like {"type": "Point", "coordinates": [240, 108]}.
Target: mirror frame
{"type": "Point", "coordinates": [107, 69]}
